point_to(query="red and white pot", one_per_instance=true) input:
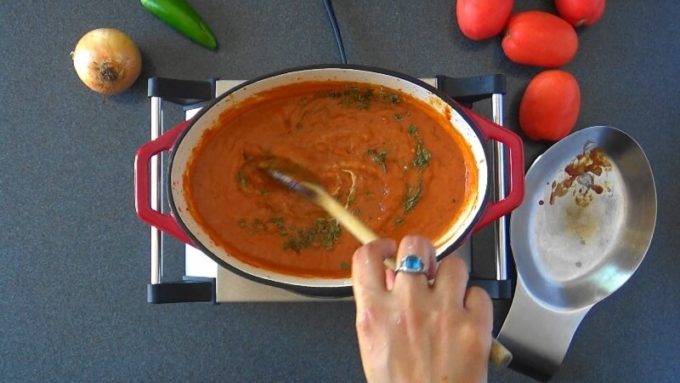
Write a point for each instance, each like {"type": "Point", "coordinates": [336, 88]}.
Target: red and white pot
{"type": "Point", "coordinates": [182, 139]}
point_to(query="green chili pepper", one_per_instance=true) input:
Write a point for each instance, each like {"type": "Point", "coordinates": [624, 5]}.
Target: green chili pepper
{"type": "Point", "coordinates": [182, 17]}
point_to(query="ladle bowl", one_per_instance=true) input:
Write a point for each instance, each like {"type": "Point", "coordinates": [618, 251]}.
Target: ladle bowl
{"type": "Point", "coordinates": [573, 250]}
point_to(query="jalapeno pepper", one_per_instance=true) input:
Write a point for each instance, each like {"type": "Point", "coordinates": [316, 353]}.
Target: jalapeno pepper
{"type": "Point", "coordinates": [182, 17]}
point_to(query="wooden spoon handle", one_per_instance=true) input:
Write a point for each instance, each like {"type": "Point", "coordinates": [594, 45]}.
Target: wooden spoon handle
{"type": "Point", "coordinates": [358, 229]}
{"type": "Point", "coordinates": [350, 222]}
{"type": "Point", "coordinates": [499, 355]}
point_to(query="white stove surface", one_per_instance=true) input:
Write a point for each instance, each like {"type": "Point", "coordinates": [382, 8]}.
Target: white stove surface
{"type": "Point", "coordinates": [231, 287]}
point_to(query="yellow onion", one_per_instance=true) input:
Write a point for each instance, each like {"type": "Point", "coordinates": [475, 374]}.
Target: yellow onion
{"type": "Point", "coordinates": [107, 60]}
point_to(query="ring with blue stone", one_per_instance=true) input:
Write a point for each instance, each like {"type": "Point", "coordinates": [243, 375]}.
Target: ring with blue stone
{"type": "Point", "coordinates": [411, 264]}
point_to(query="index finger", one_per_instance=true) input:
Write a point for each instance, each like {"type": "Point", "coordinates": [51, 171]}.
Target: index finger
{"type": "Point", "coordinates": [368, 270]}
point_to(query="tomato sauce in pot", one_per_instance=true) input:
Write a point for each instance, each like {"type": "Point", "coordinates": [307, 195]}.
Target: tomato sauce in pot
{"type": "Point", "coordinates": [392, 160]}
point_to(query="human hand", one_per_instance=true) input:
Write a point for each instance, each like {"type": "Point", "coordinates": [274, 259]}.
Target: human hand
{"type": "Point", "coordinates": [412, 331]}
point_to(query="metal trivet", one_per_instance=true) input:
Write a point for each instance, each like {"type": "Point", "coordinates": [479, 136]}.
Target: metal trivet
{"type": "Point", "coordinates": [205, 281]}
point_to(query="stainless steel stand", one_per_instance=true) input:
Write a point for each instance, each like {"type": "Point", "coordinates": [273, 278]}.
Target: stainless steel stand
{"type": "Point", "coordinates": [203, 279]}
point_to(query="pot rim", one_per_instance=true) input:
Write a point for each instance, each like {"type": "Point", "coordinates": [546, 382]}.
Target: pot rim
{"type": "Point", "coordinates": [324, 291]}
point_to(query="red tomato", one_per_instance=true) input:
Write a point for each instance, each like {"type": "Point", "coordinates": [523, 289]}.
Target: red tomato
{"type": "Point", "coordinates": [540, 39]}
{"type": "Point", "coordinates": [482, 19]}
{"type": "Point", "coordinates": [550, 106]}
{"type": "Point", "coordinates": [580, 12]}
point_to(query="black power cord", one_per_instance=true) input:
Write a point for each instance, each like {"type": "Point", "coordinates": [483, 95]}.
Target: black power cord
{"type": "Point", "coordinates": [336, 30]}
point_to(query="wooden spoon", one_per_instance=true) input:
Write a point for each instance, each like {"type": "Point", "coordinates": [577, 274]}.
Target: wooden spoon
{"type": "Point", "coordinates": [305, 183]}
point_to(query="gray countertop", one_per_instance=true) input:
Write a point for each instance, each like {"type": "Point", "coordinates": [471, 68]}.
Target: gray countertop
{"type": "Point", "coordinates": [75, 257]}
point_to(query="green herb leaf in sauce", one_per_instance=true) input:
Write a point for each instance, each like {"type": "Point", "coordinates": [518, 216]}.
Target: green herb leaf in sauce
{"type": "Point", "coordinates": [391, 97]}
{"type": "Point", "coordinates": [280, 224]}
{"type": "Point", "coordinates": [257, 226]}
{"type": "Point", "coordinates": [422, 155]}
{"type": "Point", "coordinates": [325, 232]}
{"type": "Point", "coordinates": [361, 97]}
{"type": "Point", "coordinates": [412, 130]}
{"type": "Point", "coordinates": [401, 116]}
{"type": "Point", "coordinates": [298, 242]}
{"type": "Point", "coordinates": [354, 97]}
{"type": "Point", "coordinates": [254, 227]}
{"type": "Point", "coordinates": [421, 159]}
{"type": "Point", "coordinates": [330, 233]}
{"type": "Point", "coordinates": [413, 194]}
{"type": "Point", "coordinates": [378, 156]}
{"type": "Point", "coordinates": [241, 179]}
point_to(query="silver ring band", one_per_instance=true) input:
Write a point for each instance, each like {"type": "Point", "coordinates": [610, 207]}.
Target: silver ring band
{"type": "Point", "coordinates": [411, 264]}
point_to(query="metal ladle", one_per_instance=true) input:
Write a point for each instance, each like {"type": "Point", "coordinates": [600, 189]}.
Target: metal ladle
{"type": "Point", "coordinates": [570, 255]}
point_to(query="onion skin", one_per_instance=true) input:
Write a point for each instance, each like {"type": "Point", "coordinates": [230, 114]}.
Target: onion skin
{"type": "Point", "coordinates": [107, 60]}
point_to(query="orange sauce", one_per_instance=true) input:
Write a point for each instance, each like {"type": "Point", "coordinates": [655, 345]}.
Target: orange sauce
{"type": "Point", "coordinates": [389, 158]}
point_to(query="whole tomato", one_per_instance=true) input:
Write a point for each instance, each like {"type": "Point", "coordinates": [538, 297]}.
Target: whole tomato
{"type": "Point", "coordinates": [539, 38]}
{"type": "Point", "coordinates": [550, 105]}
{"type": "Point", "coordinates": [482, 19]}
{"type": "Point", "coordinates": [580, 12]}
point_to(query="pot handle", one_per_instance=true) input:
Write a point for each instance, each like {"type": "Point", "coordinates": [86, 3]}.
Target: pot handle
{"type": "Point", "coordinates": [164, 222]}
{"type": "Point", "coordinates": [513, 142]}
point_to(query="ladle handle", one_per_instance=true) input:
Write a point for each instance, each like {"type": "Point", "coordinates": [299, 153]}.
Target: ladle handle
{"type": "Point", "coordinates": [538, 336]}
{"type": "Point", "coordinates": [164, 222]}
